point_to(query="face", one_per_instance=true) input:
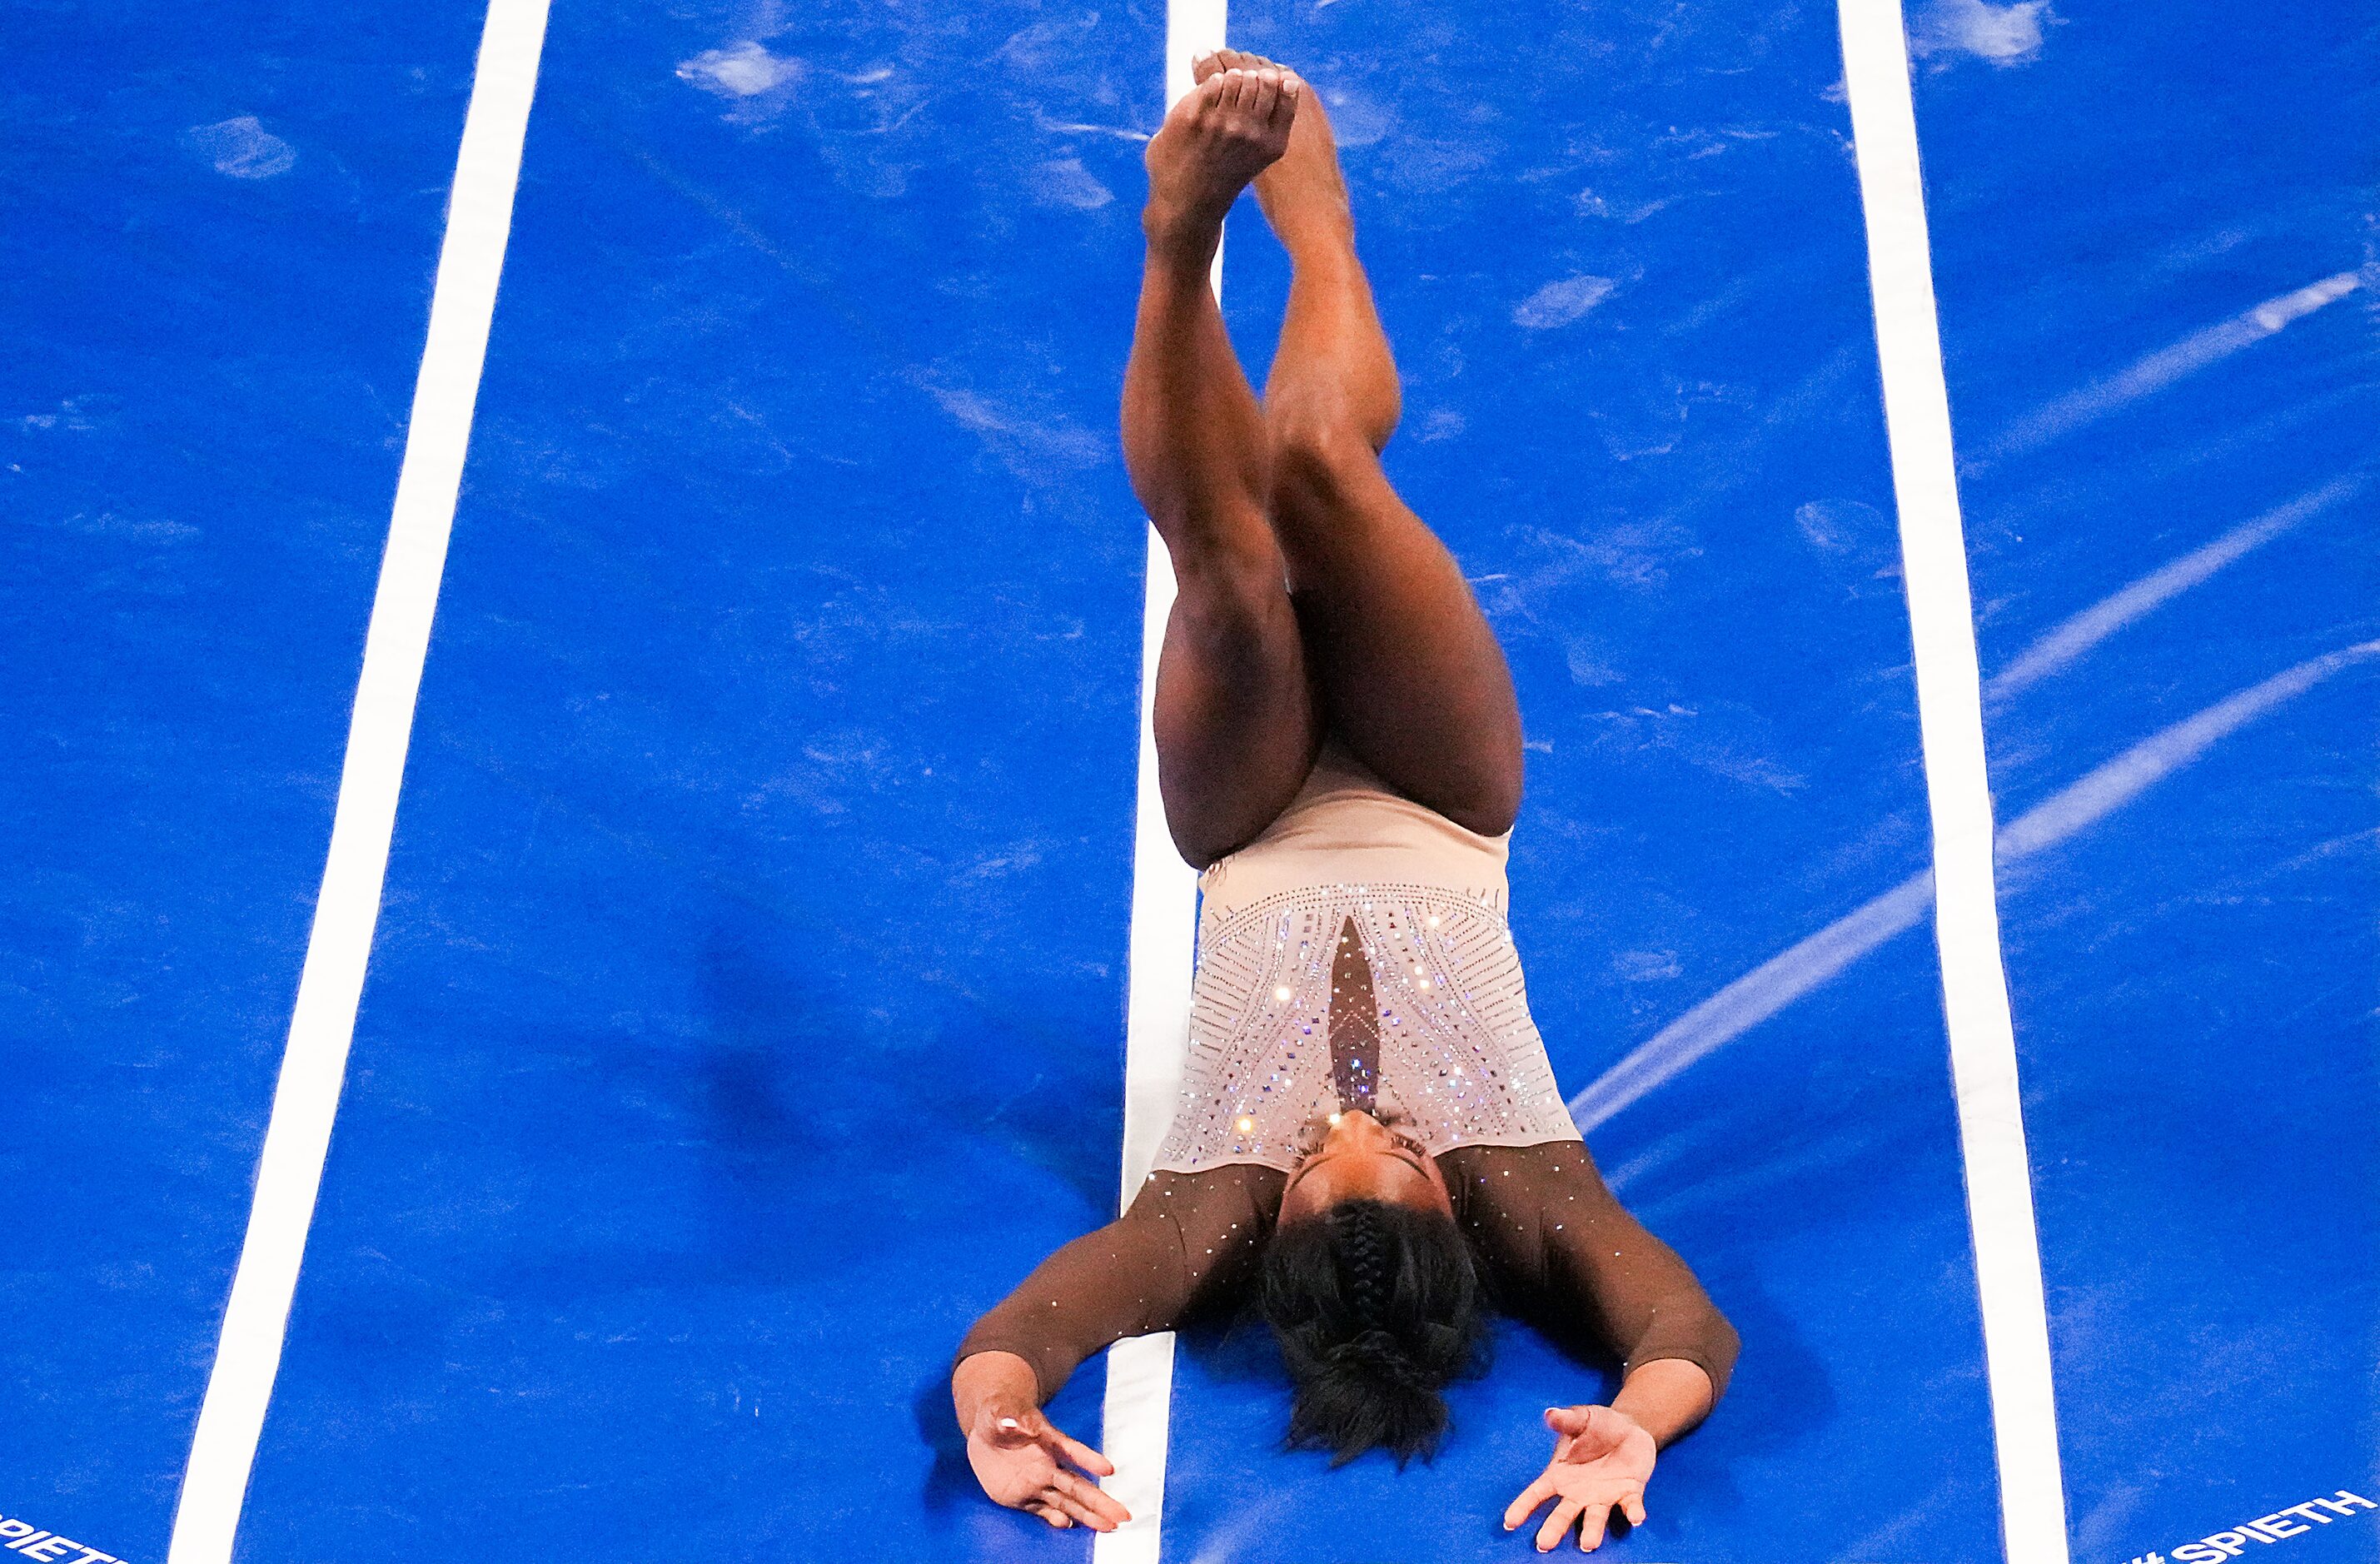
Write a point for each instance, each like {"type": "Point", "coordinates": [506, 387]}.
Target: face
{"type": "Point", "coordinates": [1361, 1159]}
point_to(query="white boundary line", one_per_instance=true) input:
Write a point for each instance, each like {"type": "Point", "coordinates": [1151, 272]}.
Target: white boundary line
{"type": "Point", "coordinates": [1136, 1416]}
{"type": "Point", "coordinates": [306, 1100]}
{"type": "Point", "coordinates": [1950, 708]}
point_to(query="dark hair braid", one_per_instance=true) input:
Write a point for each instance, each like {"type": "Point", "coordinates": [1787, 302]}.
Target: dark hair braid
{"type": "Point", "coordinates": [1363, 1256]}
{"type": "Point", "coordinates": [1377, 1309]}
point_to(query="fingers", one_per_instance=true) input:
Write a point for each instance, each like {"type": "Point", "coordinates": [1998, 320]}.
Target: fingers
{"type": "Point", "coordinates": [1090, 1503]}
{"type": "Point", "coordinates": [1591, 1527]}
{"type": "Point", "coordinates": [1052, 1513]}
{"type": "Point", "coordinates": [1559, 1524]}
{"type": "Point", "coordinates": [1632, 1505]}
{"type": "Point", "coordinates": [1080, 1454]}
{"type": "Point", "coordinates": [1571, 1422]}
{"type": "Point", "coordinates": [1075, 1511]}
{"type": "Point", "coordinates": [1079, 1501]}
{"type": "Point", "coordinates": [1582, 1422]}
{"type": "Point", "coordinates": [1531, 1497]}
{"type": "Point", "coordinates": [1587, 1434]}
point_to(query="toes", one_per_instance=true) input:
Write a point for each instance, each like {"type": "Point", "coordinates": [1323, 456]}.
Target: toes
{"type": "Point", "coordinates": [1267, 94]}
{"type": "Point", "coordinates": [1234, 113]}
{"type": "Point", "coordinates": [1206, 65]}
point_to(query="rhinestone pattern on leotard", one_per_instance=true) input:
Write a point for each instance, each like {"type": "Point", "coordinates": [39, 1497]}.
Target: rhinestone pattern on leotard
{"type": "Point", "coordinates": [1460, 1059]}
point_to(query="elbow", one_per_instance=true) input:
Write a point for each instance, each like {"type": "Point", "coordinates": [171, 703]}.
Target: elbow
{"type": "Point", "coordinates": [1725, 1345]}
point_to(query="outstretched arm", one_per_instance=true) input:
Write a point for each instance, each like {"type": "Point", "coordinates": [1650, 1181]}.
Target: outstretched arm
{"type": "Point", "coordinates": [1022, 1459]}
{"type": "Point", "coordinates": [1188, 1239]}
{"type": "Point", "coordinates": [1546, 1220]}
{"type": "Point", "coordinates": [1554, 1231]}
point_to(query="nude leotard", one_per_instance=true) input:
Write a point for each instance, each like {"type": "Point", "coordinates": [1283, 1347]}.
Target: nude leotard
{"type": "Point", "coordinates": [1360, 913]}
{"type": "Point", "coordinates": [1363, 916]}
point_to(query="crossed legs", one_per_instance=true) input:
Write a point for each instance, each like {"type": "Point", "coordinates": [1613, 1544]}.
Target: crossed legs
{"type": "Point", "coordinates": [1311, 600]}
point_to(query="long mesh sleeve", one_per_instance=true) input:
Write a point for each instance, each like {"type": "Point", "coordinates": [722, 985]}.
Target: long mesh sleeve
{"type": "Point", "coordinates": [1564, 1249]}
{"type": "Point", "coordinates": [1188, 1240]}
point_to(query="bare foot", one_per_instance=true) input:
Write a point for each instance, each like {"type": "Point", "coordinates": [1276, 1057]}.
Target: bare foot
{"type": "Point", "coordinates": [1304, 194]}
{"type": "Point", "coordinates": [1224, 132]}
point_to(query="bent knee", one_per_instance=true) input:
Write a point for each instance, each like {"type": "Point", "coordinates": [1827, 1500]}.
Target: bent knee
{"type": "Point", "coordinates": [1483, 796]}
{"type": "Point", "coordinates": [1228, 603]}
{"type": "Point", "coordinates": [1493, 812]}
{"type": "Point", "coordinates": [1321, 455]}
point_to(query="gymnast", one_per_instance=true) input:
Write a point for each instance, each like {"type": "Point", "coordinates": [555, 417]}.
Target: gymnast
{"type": "Point", "coordinates": [1369, 1145]}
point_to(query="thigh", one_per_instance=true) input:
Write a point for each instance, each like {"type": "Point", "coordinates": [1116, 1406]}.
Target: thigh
{"type": "Point", "coordinates": [1234, 716]}
{"type": "Point", "coordinates": [1411, 677]}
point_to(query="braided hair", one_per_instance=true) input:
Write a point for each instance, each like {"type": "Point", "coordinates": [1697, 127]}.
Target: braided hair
{"type": "Point", "coordinates": [1377, 1309]}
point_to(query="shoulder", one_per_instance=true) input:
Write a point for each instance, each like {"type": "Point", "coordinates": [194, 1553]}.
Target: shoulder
{"type": "Point", "coordinates": [1495, 1172]}
{"type": "Point", "coordinates": [1508, 1198]}
{"type": "Point", "coordinates": [1244, 1196]}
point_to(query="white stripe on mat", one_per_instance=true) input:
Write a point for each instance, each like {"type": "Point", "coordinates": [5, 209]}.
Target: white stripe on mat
{"type": "Point", "coordinates": [1136, 1416]}
{"type": "Point", "coordinates": [306, 1100]}
{"type": "Point", "coordinates": [1950, 708]}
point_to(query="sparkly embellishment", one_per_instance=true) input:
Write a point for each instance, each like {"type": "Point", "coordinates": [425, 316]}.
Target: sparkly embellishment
{"type": "Point", "coordinates": [1449, 1064]}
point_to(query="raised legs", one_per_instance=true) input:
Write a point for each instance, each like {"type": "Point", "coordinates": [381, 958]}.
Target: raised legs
{"type": "Point", "coordinates": [1312, 599]}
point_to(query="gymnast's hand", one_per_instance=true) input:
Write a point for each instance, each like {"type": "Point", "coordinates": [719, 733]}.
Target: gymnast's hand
{"type": "Point", "coordinates": [1601, 1460]}
{"type": "Point", "coordinates": [1020, 1457]}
